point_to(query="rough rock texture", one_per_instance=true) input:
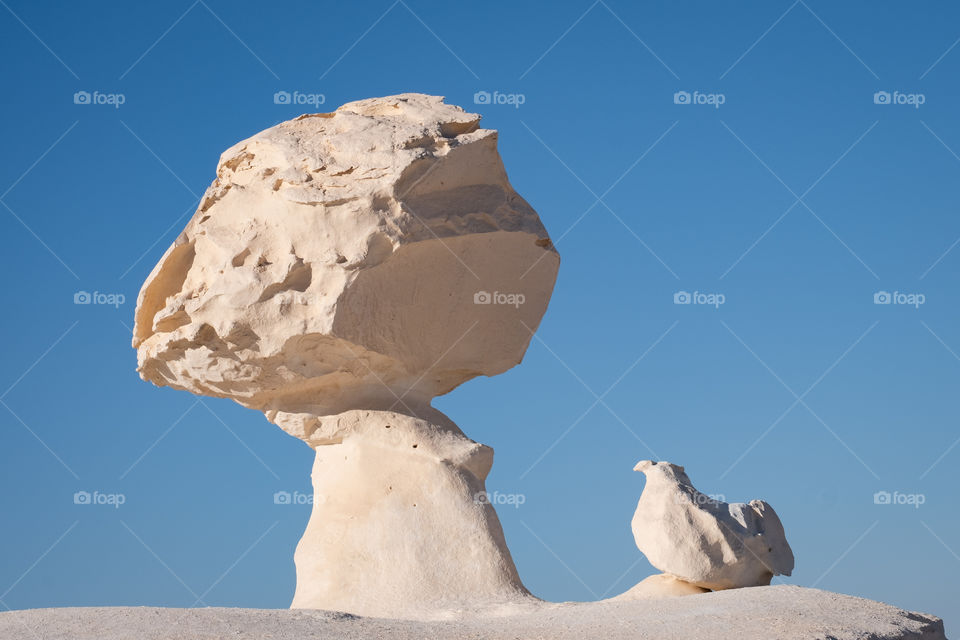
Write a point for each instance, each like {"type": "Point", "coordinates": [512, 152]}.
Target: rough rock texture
{"type": "Point", "coordinates": [400, 527]}
{"type": "Point", "coordinates": [341, 271]}
{"type": "Point", "coordinates": [761, 613]}
{"type": "Point", "coordinates": [703, 541]}
{"type": "Point", "coordinates": [340, 253]}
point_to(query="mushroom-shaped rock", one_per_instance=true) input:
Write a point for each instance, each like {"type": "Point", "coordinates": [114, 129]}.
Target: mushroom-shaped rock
{"type": "Point", "coordinates": [341, 271]}
{"type": "Point", "coordinates": [703, 541]}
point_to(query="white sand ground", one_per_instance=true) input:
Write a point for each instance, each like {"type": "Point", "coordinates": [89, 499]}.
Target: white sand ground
{"type": "Point", "coordinates": [769, 613]}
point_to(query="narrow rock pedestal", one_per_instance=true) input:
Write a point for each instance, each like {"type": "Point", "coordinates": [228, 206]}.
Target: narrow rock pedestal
{"type": "Point", "coordinates": [400, 526]}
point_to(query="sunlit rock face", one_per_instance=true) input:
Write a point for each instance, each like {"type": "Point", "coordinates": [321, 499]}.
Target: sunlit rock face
{"type": "Point", "coordinates": [706, 542]}
{"type": "Point", "coordinates": [341, 271]}
{"type": "Point", "coordinates": [341, 253]}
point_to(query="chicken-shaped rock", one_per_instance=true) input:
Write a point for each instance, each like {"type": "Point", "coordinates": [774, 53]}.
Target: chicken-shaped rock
{"type": "Point", "coordinates": [703, 541]}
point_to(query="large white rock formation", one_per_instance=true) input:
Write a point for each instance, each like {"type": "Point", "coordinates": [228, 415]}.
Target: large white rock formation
{"type": "Point", "coordinates": [341, 271]}
{"type": "Point", "coordinates": [341, 253]}
{"type": "Point", "coordinates": [705, 542]}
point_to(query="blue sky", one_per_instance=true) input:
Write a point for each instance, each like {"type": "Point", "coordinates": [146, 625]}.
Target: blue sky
{"type": "Point", "coordinates": [795, 159]}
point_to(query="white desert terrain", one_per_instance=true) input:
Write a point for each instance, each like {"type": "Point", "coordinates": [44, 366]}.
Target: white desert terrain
{"type": "Point", "coordinates": [756, 613]}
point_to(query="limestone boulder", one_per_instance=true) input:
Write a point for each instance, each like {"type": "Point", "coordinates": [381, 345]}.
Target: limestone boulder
{"type": "Point", "coordinates": [703, 541]}
{"type": "Point", "coordinates": [373, 257]}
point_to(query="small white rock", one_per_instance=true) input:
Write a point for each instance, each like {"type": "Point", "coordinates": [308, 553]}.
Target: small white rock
{"type": "Point", "coordinates": [703, 541]}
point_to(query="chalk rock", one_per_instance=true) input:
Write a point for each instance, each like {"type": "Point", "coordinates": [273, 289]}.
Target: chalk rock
{"type": "Point", "coordinates": [401, 526]}
{"type": "Point", "coordinates": [779, 612]}
{"type": "Point", "coordinates": [661, 585]}
{"type": "Point", "coordinates": [373, 257]}
{"type": "Point", "coordinates": [703, 541]}
{"type": "Point", "coordinates": [341, 271]}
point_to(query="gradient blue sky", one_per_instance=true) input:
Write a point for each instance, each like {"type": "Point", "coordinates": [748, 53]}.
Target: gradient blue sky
{"type": "Point", "coordinates": [797, 199]}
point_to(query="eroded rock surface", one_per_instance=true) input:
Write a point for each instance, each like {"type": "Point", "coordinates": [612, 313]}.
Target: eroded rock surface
{"type": "Point", "coordinates": [401, 526]}
{"type": "Point", "coordinates": [341, 254]}
{"type": "Point", "coordinates": [341, 271]}
{"type": "Point", "coordinates": [707, 542]}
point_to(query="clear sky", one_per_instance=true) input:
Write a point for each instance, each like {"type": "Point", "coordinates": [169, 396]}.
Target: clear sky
{"type": "Point", "coordinates": [793, 161]}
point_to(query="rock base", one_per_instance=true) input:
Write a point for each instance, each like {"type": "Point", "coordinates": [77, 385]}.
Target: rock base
{"type": "Point", "coordinates": [401, 527]}
{"type": "Point", "coordinates": [757, 613]}
{"type": "Point", "coordinates": [659, 586]}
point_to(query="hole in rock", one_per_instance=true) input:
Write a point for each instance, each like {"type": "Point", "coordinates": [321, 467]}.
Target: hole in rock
{"type": "Point", "coordinates": [169, 281]}
{"type": "Point", "coordinates": [454, 129]}
{"type": "Point", "coordinates": [235, 161]}
{"type": "Point", "coordinates": [298, 279]}
{"type": "Point", "coordinates": [240, 258]}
